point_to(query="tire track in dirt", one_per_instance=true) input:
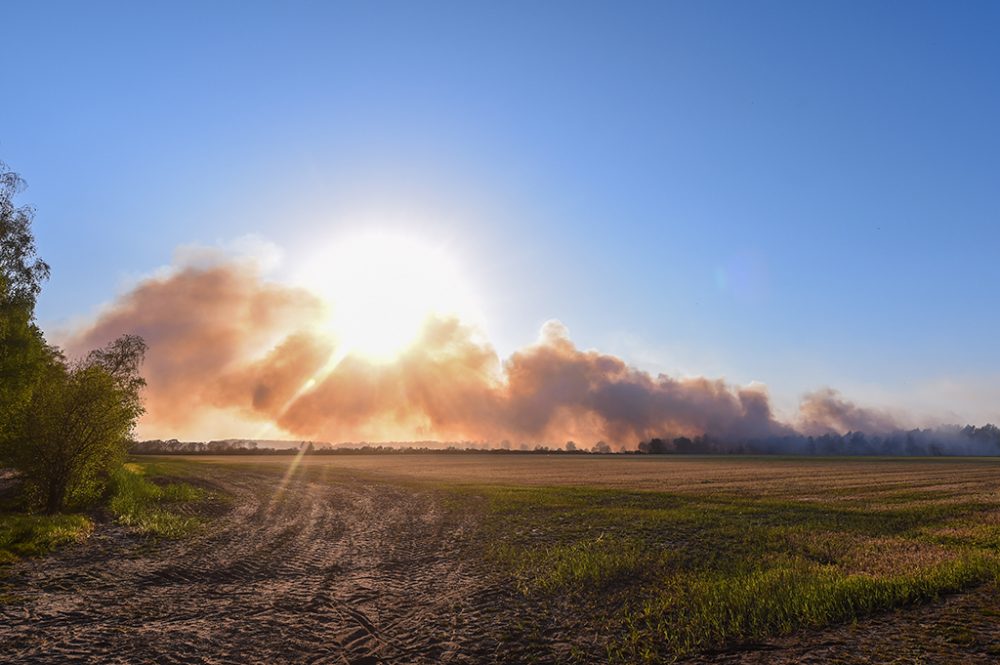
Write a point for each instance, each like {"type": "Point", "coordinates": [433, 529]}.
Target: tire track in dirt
{"type": "Point", "coordinates": [340, 572]}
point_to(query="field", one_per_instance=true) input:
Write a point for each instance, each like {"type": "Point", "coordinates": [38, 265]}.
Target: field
{"type": "Point", "coordinates": [473, 558]}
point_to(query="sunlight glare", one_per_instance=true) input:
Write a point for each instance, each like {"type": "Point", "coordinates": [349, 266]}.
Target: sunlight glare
{"type": "Point", "coordinates": [382, 288]}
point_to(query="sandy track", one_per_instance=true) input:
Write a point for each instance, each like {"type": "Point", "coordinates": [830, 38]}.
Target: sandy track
{"type": "Point", "coordinates": [333, 572]}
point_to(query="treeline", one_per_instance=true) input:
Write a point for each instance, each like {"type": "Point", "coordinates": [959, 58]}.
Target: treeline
{"type": "Point", "coordinates": [223, 447]}
{"type": "Point", "coordinates": [65, 424]}
{"type": "Point", "coordinates": [249, 447]}
{"type": "Point", "coordinates": [938, 441]}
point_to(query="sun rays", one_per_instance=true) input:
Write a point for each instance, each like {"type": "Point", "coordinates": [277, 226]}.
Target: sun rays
{"type": "Point", "coordinates": [382, 288]}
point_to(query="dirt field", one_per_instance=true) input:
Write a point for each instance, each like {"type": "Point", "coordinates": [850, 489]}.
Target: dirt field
{"type": "Point", "coordinates": [764, 475]}
{"type": "Point", "coordinates": [327, 573]}
{"type": "Point", "coordinates": [370, 559]}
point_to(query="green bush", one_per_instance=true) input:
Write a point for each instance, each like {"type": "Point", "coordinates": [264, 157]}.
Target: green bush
{"type": "Point", "coordinates": [75, 430]}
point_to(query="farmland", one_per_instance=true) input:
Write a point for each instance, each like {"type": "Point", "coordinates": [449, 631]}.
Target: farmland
{"type": "Point", "coordinates": [530, 558]}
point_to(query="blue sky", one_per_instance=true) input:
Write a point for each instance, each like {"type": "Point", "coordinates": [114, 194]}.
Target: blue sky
{"type": "Point", "coordinates": [803, 194]}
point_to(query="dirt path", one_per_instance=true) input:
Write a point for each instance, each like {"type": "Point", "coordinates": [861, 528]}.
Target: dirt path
{"type": "Point", "coordinates": [334, 572]}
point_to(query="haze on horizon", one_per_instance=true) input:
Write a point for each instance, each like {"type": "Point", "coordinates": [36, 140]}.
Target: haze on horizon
{"type": "Point", "coordinates": [389, 225]}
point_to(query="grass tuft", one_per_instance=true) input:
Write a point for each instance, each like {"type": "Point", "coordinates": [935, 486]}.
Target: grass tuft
{"type": "Point", "coordinates": [31, 535]}
{"type": "Point", "coordinates": [151, 508]}
{"type": "Point", "coordinates": [593, 564]}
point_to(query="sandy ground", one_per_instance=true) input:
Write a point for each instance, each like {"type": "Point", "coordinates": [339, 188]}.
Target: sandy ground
{"type": "Point", "coordinates": [342, 568]}
{"type": "Point", "coordinates": [342, 572]}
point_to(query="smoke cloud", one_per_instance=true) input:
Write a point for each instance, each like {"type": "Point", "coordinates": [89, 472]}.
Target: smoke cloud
{"type": "Point", "coordinates": [225, 344]}
{"type": "Point", "coordinates": [825, 412]}
{"type": "Point", "coordinates": [205, 326]}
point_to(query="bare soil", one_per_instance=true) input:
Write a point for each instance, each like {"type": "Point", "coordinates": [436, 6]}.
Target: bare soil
{"type": "Point", "coordinates": [321, 572]}
{"type": "Point", "coordinates": [793, 477]}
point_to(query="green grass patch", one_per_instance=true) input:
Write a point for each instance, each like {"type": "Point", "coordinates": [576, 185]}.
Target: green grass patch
{"type": "Point", "coordinates": [711, 610]}
{"type": "Point", "coordinates": [144, 497]}
{"type": "Point", "coordinates": [30, 535]}
{"type": "Point", "coordinates": [680, 573]}
{"type": "Point", "coordinates": [592, 564]}
{"type": "Point", "coordinates": [152, 508]}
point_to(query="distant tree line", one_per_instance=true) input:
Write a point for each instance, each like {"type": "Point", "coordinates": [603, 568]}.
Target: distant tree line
{"type": "Point", "coordinates": [953, 440]}
{"type": "Point", "coordinates": [938, 441]}
{"type": "Point", "coordinates": [250, 447]}
{"type": "Point", "coordinates": [65, 424]}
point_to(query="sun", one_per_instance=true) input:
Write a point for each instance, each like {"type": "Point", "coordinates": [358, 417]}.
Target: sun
{"type": "Point", "coordinates": [382, 288]}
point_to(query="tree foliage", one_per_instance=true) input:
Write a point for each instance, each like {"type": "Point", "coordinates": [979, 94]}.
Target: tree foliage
{"type": "Point", "coordinates": [24, 355]}
{"type": "Point", "coordinates": [21, 271]}
{"type": "Point", "coordinates": [65, 425]}
{"type": "Point", "coordinates": [78, 425]}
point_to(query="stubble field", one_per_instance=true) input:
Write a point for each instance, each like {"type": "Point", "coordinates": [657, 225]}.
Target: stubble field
{"type": "Point", "coordinates": [473, 558]}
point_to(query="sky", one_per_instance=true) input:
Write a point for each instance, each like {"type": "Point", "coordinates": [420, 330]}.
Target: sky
{"type": "Point", "coordinates": [804, 195]}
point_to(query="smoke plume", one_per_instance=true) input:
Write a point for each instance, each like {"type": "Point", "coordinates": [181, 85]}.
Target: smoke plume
{"type": "Point", "coordinates": [826, 412]}
{"type": "Point", "coordinates": [204, 327]}
{"type": "Point", "coordinates": [224, 343]}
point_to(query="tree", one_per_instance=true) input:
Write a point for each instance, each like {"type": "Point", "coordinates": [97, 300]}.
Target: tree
{"type": "Point", "coordinates": [122, 359]}
{"type": "Point", "coordinates": [21, 272]}
{"type": "Point", "coordinates": [78, 425]}
{"type": "Point", "coordinates": [658, 446]}
{"type": "Point", "coordinates": [65, 426]}
{"type": "Point", "coordinates": [24, 355]}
